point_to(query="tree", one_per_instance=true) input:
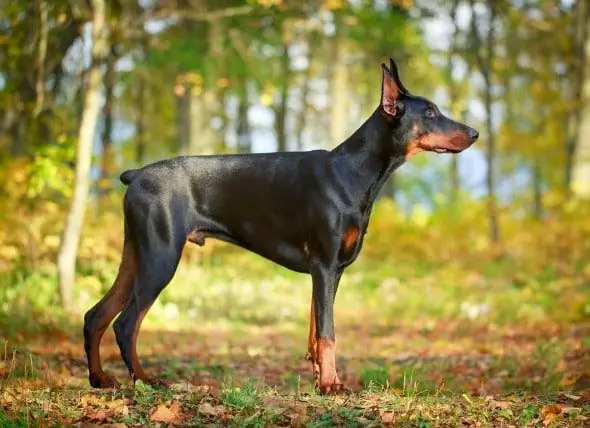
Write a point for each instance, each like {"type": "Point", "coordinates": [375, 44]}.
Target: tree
{"type": "Point", "coordinates": [107, 133]}
{"type": "Point", "coordinates": [36, 35]}
{"type": "Point", "coordinates": [453, 98]}
{"type": "Point", "coordinates": [581, 150]}
{"type": "Point", "coordinates": [484, 50]}
{"type": "Point", "coordinates": [66, 263]}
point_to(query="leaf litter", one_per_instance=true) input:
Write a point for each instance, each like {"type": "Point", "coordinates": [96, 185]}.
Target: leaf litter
{"type": "Point", "coordinates": [509, 379]}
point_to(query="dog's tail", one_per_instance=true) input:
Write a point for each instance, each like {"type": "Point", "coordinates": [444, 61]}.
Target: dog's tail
{"type": "Point", "coordinates": [127, 176]}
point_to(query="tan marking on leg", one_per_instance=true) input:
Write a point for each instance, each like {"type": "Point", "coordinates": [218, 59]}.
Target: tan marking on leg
{"type": "Point", "coordinates": [110, 305]}
{"type": "Point", "coordinates": [138, 372]}
{"type": "Point", "coordinates": [329, 381]}
{"type": "Point", "coordinates": [312, 345]}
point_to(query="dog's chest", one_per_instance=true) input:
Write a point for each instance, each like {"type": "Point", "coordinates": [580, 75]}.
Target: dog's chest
{"type": "Point", "coordinates": [351, 241]}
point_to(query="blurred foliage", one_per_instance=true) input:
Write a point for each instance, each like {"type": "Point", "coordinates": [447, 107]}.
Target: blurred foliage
{"type": "Point", "coordinates": [234, 53]}
{"type": "Point", "coordinates": [444, 255]}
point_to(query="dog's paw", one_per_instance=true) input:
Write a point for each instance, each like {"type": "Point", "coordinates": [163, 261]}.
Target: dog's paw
{"type": "Point", "coordinates": [315, 368]}
{"type": "Point", "coordinates": [333, 388]}
{"type": "Point", "coordinates": [103, 381]}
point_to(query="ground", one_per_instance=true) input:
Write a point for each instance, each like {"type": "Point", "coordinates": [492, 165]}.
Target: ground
{"type": "Point", "coordinates": [414, 352]}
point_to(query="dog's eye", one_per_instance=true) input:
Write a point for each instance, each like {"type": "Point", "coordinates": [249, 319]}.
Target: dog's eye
{"type": "Point", "coordinates": [430, 113]}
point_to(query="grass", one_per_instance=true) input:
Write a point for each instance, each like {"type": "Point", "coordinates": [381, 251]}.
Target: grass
{"type": "Point", "coordinates": [421, 346]}
{"type": "Point", "coordinates": [245, 397]}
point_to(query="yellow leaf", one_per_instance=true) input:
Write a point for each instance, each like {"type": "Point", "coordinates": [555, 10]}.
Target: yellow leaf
{"type": "Point", "coordinates": [333, 4]}
{"type": "Point", "coordinates": [168, 415]}
{"type": "Point", "coordinates": [266, 99]}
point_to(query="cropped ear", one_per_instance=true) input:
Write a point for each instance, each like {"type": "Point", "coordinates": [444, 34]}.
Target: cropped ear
{"type": "Point", "coordinates": [390, 93]}
{"type": "Point", "coordinates": [395, 74]}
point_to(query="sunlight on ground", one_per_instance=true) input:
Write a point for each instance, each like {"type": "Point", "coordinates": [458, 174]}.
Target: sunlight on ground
{"type": "Point", "coordinates": [416, 347]}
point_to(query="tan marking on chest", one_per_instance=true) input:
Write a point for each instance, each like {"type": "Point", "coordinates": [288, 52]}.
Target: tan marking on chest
{"type": "Point", "coordinates": [350, 237]}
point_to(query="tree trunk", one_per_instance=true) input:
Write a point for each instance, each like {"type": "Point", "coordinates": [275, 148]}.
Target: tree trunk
{"type": "Point", "coordinates": [537, 189]}
{"type": "Point", "coordinates": [338, 87]}
{"type": "Point", "coordinates": [107, 135]}
{"type": "Point", "coordinates": [66, 262]}
{"type": "Point", "coordinates": [491, 134]}
{"type": "Point", "coordinates": [303, 103]}
{"type": "Point", "coordinates": [140, 142]}
{"type": "Point", "coordinates": [204, 103]}
{"type": "Point", "coordinates": [140, 100]}
{"type": "Point", "coordinates": [580, 174]}
{"type": "Point", "coordinates": [183, 112]}
{"type": "Point", "coordinates": [486, 68]}
{"type": "Point", "coordinates": [281, 111]}
{"type": "Point", "coordinates": [40, 83]}
{"type": "Point", "coordinates": [244, 132]}
{"type": "Point", "coordinates": [452, 87]}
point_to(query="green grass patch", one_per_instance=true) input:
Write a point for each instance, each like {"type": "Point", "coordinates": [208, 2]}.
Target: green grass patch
{"type": "Point", "coordinates": [244, 397]}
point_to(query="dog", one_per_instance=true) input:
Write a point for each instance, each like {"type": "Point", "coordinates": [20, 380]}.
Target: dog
{"type": "Point", "coordinates": [306, 211]}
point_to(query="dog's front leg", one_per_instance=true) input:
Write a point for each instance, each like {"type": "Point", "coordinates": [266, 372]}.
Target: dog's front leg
{"type": "Point", "coordinates": [312, 344]}
{"type": "Point", "coordinates": [325, 282]}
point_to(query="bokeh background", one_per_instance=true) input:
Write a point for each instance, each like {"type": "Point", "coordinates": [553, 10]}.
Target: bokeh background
{"type": "Point", "coordinates": [486, 252]}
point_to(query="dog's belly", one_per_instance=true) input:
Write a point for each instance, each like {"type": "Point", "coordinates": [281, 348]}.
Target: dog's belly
{"type": "Point", "coordinates": [283, 254]}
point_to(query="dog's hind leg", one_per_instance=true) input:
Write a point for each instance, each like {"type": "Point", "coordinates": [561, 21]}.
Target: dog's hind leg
{"type": "Point", "coordinates": [157, 265]}
{"type": "Point", "coordinates": [98, 318]}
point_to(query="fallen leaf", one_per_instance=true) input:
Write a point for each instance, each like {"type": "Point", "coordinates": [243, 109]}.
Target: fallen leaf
{"type": "Point", "coordinates": [571, 410]}
{"type": "Point", "coordinates": [573, 397]}
{"type": "Point", "coordinates": [273, 401]}
{"type": "Point", "coordinates": [551, 413]}
{"type": "Point", "coordinates": [119, 406]}
{"type": "Point", "coordinates": [552, 409]}
{"type": "Point", "coordinates": [96, 415]}
{"type": "Point", "coordinates": [387, 417]}
{"type": "Point", "coordinates": [168, 415]}
{"type": "Point", "coordinates": [90, 400]}
{"type": "Point", "coordinates": [209, 410]}
{"type": "Point", "coordinates": [116, 425]}
{"type": "Point", "coordinates": [500, 404]}
{"type": "Point", "coordinates": [549, 419]}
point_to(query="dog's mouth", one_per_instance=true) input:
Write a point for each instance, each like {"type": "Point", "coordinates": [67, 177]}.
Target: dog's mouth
{"type": "Point", "coordinates": [441, 143]}
{"type": "Point", "coordinates": [446, 150]}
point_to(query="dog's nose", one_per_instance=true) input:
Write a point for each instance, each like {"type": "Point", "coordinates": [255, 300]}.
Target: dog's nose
{"type": "Point", "coordinates": [473, 134]}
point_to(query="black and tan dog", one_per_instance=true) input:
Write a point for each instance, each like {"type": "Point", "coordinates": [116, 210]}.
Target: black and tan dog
{"type": "Point", "coordinates": [306, 211]}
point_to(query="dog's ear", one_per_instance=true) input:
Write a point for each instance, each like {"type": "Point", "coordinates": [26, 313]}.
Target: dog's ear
{"type": "Point", "coordinates": [391, 93]}
{"type": "Point", "coordinates": [395, 74]}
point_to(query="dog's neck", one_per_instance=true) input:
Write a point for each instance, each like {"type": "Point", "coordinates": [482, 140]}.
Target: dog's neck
{"type": "Point", "coordinates": [368, 157]}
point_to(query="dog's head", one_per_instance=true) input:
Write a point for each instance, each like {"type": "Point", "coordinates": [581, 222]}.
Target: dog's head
{"type": "Point", "coordinates": [418, 121]}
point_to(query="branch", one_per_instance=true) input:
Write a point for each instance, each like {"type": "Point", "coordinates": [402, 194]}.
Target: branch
{"type": "Point", "coordinates": [491, 33]}
{"type": "Point", "coordinates": [191, 15]}
{"type": "Point", "coordinates": [451, 53]}
{"type": "Point", "coordinates": [478, 43]}
{"type": "Point", "coordinates": [39, 85]}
